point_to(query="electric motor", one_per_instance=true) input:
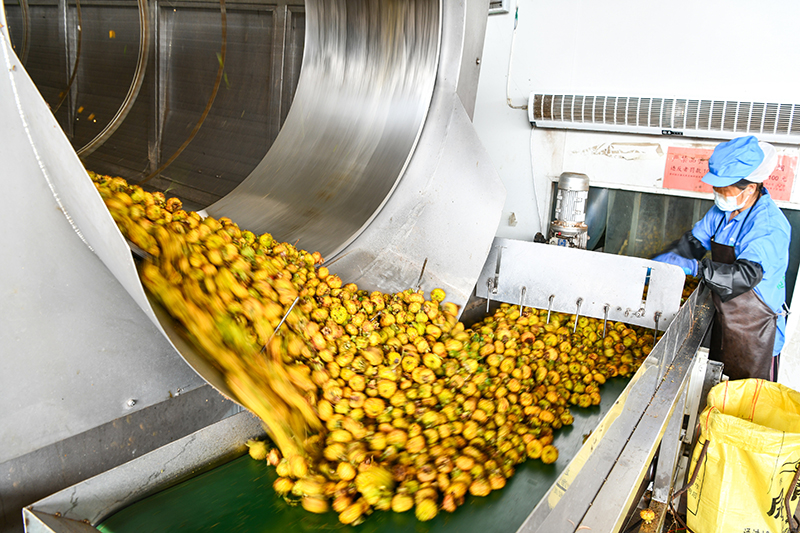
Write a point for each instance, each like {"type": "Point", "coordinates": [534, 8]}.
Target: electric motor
{"type": "Point", "coordinates": [569, 227]}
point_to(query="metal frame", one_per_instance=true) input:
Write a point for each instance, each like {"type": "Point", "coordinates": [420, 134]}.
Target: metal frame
{"type": "Point", "coordinates": [83, 506]}
{"type": "Point", "coordinates": [598, 488]}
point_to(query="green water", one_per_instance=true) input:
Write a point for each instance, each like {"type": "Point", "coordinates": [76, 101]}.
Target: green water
{"type": "Point", "coordinates": [237, 497]}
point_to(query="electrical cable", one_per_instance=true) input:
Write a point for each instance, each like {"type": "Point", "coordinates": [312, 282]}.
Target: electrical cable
{"type": "Point", "coordinates": [510, 59]}
{"type": "Point", "coordinates": [539, 217]}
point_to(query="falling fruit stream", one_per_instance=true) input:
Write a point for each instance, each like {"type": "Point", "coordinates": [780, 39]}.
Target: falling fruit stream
{"type": "Point", "coordinates": [374, 401]}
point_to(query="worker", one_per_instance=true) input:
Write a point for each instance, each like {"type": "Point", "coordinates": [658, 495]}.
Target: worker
{"type": "Point", "coordinates": [748, 237]}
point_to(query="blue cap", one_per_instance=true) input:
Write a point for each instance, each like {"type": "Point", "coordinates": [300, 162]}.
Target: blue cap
{"type": "Point", "coordinates": [733, 161]}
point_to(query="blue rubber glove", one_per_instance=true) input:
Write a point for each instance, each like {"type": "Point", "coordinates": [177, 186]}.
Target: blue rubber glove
{"type": "Point", "coordinates": [689, 266]}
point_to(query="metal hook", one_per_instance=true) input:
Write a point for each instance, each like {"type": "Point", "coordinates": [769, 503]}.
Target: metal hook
{"type": "Point", "coordinates": [522, 299]}
{"type": "Point", "coordinates": [655, 331]}
{"type": "Point", "coordinates": [549, 306]}
{"type": "Point", "coordinates": [605, 318]}
{"type": "Point", "coordinates": [577, 314]}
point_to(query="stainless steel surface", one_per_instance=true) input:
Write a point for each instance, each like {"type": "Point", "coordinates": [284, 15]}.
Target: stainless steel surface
{"type": "Point", "coordinates": [74, 346]}
{"type": "Point", "coordinates": [26, 32]}
{"type": "Point", "coordinates": [474, 29]}
{"type": "Point", "coordinates": [672, 444]}
{"type": "Point", "coordinates": [573, 181]}
{"type": "Point", "coordinates": [697, 393]}
{"type": "Point", "coordinates": [448, 205]}
{"type": "Point", "coordinates": [364, 91]}
{"type": "Point", "coordinates": [610, 507]}
{"type": "Point", "coordinates": [711, 376]}
{"type": "Point", "coordinates": [569, 227]}
{"type": "Point", "coordinates": [595, 488]}
{"type": "Point", "coordinates": [36, 522]}
{"type": "Point", "coordinates": [105, 493]}
{"type": "Point", "coordinates": [568, 274]}
{"type": "Point", "coordinates": [33, 476]}
{"type": "Point", "coordinates": [264, 50]}
{"type": "Point", "coordinates": [264, 53]}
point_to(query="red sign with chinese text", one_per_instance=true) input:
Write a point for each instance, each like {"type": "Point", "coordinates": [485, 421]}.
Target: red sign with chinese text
{"type": "Point", "coordinates": [685, 167]}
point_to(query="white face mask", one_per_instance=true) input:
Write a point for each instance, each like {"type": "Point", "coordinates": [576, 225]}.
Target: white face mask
{"type": "Point", "coordinates": [728, 204]}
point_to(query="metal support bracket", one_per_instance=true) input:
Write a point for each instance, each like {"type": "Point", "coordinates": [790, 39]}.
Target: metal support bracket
{"type": "Point", "coordinates": [608, 286]}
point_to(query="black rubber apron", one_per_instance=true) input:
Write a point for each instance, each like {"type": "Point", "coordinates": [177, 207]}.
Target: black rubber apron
{"type": "Point", "coordinates": [743, 333]}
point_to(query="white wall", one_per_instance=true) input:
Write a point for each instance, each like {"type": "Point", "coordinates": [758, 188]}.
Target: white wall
{"type": "Point", "coordinates": [734, 50]}
{"type": "Point", "coordinates": [721, 49]}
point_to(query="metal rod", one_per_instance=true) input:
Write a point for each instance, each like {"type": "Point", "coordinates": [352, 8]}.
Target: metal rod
{"type": "Point", "coordinates": [522, 299]}
{"type": "Point", "coordinates": [794, 525]}
{"type": "Point", "coordinates": [655, 331]}
{"type": "Point", "coordinates": [66, 93]}
{"type": "Point", "coordinates": [605, 318]}
{"type": "Point", "coordinates": [280, 323]}
{"type": "Point", "coordinates": [577, 314]}
{"type": "Point", "coordinates": [549, 306]}
{"type": "Point", "coordinates": [422, 273]}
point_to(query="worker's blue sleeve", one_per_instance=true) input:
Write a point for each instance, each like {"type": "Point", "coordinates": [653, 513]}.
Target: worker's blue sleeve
{"type": "Point", "coordinates": [765, 240]}
{"type": "Point", "coordinates": [704, 229]}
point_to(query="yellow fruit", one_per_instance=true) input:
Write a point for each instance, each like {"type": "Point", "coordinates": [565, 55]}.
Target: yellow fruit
{"type": "Point", "coordinates": [426, 510]}
{"type": "Point", "coordinates": [283, 485]}
{"type": "Point", "coordinates": [314, 504]}
{"type": "Point", "coordinates": [257, 449]}
{"type": "Point", "coordinates": [402, 503]}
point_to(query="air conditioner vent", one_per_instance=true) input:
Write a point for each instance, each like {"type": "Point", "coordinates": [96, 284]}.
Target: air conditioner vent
{"type": "Point", "coordinates": [673, 116]}
{"type": "Point", "coordinates": [498, 6]}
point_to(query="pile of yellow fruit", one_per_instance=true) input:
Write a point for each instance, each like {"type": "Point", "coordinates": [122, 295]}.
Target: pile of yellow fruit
{"type": "Point", "coordinates": [375, 401]}
{"type": "Point", "coordinates": [689, 287]}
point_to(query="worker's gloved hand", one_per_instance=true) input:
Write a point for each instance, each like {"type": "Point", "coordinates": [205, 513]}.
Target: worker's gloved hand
{"type": "Point", "coordinates": [687, 246]}
{"type": "Point", "coordinates": [730, 280]}
{"type": "Point", "coordinates": [689, 266]}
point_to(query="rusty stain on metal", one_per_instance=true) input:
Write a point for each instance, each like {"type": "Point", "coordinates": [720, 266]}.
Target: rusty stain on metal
{"type": "Point", "coordinates": [629, 151]}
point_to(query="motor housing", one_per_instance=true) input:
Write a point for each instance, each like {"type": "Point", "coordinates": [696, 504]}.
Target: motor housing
{"type": "Point", "coordinates": [569, 226]}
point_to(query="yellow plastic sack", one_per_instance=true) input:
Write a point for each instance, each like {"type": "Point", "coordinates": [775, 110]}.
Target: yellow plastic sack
{"type": "Point", "coordinates": [753, 431]}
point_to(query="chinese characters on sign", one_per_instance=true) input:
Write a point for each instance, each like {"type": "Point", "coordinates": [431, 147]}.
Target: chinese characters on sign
{"type": "Point", "coordinates": [780, 181]}
{"type": "Point", "coordinates": [685, 167]}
